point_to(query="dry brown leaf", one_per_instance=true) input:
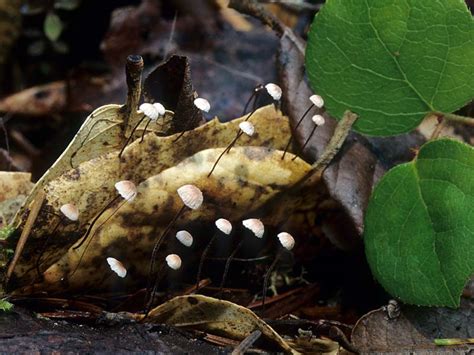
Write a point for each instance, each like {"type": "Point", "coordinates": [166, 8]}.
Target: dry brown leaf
{"type": "Point", "coordinates": [101, 133]}
{"type": "Point", "coordinates": [414, 330]}
{"type": "Point", "coordinates": [244, 181]}
{"type": "Point", "coordinates": [91, 185]}
{"type": "Point", "coordinates": [349, 179]}
{"type": "Point", "coordinates": [217, 317]}
{"type": "Point", "coordinates": [170, 84]}
{"type": "Point", "coordinates": [37, 100]}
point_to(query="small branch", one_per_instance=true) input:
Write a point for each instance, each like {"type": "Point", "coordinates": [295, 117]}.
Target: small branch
{"type": "Point", "coordinates": [35, 209]}
{"type": "Point", "coordinates": [247, 343]}
{"type": "Point", "coordinates": [339, 136]}
{"type": "Point", "coordinates": [469, 121]}
{"type": "Point", "coordinates": [252, 8]}
{"type": "Point", "coordinates": [439, 127]}
{"type": "Point", "coordinates": [133, 73]}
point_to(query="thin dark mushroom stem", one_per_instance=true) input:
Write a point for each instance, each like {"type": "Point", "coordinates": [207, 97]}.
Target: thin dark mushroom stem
{"type": "Point", "coordinates": [92, 236]}
{"type": "Point", "coordinates": [229, 147]}
{"type": "Point", "coordinates": [144, 131]}
{"type": "Point", "coordinates": [203, 257]}
{"type": "Point", "coordinates": [43, 248]}
{"type": "Point", "coordinates": [267, 276]}
{"type": "Point", "coordinates": [149, 301]}
{"type": "Point", "coordinates": [307, 141]}
{"type": "Point", "coordinates": [295, 128]}
{"type": "Point", "coordinates": [156, 247]}
{"type": "Point", "coordinates": [89, 229]}
{"type": "Point", "coordinates": [227, 264]}
{"type": "Point", "coordinates": [131, 135]}
{"type": "Point", "coordinates": [254, 96]}
{"type": "Point", "coordinates": [179, 136]}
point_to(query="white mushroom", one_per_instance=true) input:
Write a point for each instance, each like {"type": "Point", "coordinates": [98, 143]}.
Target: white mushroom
{"type": "Point", "coordinates": [149, 111]}
{"type": "Point", "coordinates": [173, 261]}
{"type": "Point", "coordinates": [126, 189]}
{"type": "Point", "coordinates": [191, 196]}
{"type": "Point", "coordinates": [286, 240]}
{"type": "Point", "coordinates": [224, 225]}
{"type": "Point", "coordinates": [318, 120]}
{"type": "Point", "coordinates": [247, 127]}
{"type": "Point", "coordinates": [202, 104]}
{"type": "Point", "coordinates": [70, 211]}
{"type": "Point", "coordinates": [117, 267]}
{"type": "Point", "coordinates": [255, 225]}
{"type": "Point", "coordinates": [317, 101]}
{"type": "Point", "coordinates": [159, 108]}
{"type": "Point", "coordinates": [185, 238]}
{"type": "Point", "coordinates": [274, 91]}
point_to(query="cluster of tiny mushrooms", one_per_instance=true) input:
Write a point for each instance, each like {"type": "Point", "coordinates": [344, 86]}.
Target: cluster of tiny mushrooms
{"type": "Point", "coordinates": [192, 198]}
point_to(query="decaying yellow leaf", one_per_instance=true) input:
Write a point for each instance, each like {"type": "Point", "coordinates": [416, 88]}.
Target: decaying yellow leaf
{"type": "Point", "coordinates": [102, 132]}
{"type": "Point", "coordinates": [91, 185]}
{"type": "Point", "coordinates": [14, 187]}
{"type": "Point", "coordinates": [243, 182]}
{"type": "Point", "coordinates": [13, 184]}
{"type": "Point", "coordinates": [217, 317]}
{"type": "Point", "coordinates": [99, 134]}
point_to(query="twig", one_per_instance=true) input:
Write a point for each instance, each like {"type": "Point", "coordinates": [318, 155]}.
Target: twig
{"type": "Point", "coordinates": [35, 209]}
{"type": "Point", "coordinates": [24, 143]}
{"type": "Point", "coordinates": [133, 73]}
{"type": "Point", "coordinates": [252, 8]}
{"type": "Point", "coordinates": [439, 127]}
{"type": "Point", "coordinates": [337, 140]}
{"type": "Point", "coordinates": [7, 143]}
{"type": "Point", "coordinates": [294, 4]}
{"type": "Point", "coordinates": [469, 121]}
{"type": "Point", "coordinates": [247, 343]}
{"type": "Point", "coordinates": [338, 335]}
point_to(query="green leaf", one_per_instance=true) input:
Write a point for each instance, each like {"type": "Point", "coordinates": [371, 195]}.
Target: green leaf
{"type": "Point", "coordinates": [53, 26]}
{"type": "Point", "coordinates": [5, 306]}
{"type": "Point", "coordinates": [392, 61]}
{"type": "Point", "coordinates": [419, 226]}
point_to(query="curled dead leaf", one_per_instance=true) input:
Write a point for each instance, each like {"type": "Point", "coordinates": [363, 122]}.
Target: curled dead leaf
{"type": "Point", "coordinates": [245, 180]}
{"type": "Point", "coordinates": [90, 186]}
{"type": "Point", "coordinates": [217, 317]}
{"type": "Point", "coordinates": [170, 84]}
{"type": "Point", "coordinates": [414, 329]}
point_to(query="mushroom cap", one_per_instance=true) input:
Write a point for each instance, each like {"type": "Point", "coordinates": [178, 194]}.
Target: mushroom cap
{"type": "Point", "coordinates": [126, 189]}
{"type": "Point", "coordinates": [70, 211]}
{"type": "Point", "coordinates": [173, 261]}
{"type": "Point", "coordinates": [223, 225]}
{"type": "Point", "coordinates": [274, 91]}
{"type": "Point", "coordinates": [202, 104]}
{"type": "Point", "coordinates": [159, 108]}
{"type": "Point", "coordinates": [191, 196]}
{"type": "Point", "coordinates": [286, 240]}
{"type": "Point", "coordinates": [247, 127]}
{"type": "Point", "coordinates": [149, 110]}
{"type": "Point", "coordinates": [318, 120]}
{"type": "Point", "coordinates": [255, 225]}
{"type": "Point", "coordinates": [117, 267]}
{"type": "Point", "coordinates": [317, 101]}
{"type": "Point", "coordinates": [185, 238]}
